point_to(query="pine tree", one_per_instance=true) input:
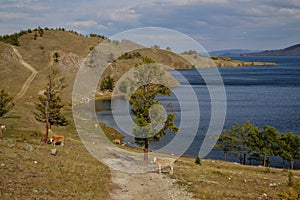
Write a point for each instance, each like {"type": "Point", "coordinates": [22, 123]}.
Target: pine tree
{"type": "Point", "coordinates": [289, 147]}
{"type": "Point", "coordinates": [6, 103]}
{"type": "Point", "coordinates": [150, 122]}
{"type": "Point", "coordinates": [49, 108]}
{"type": "Point", "coordinates": [264, 142]}
{"type": "Point", "coordinates": [227, 142]}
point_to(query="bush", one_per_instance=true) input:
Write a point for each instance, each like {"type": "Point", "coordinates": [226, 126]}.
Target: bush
{"type": "Point", "coordinates": [107, 83]}
{"type": "Point", "coordinates": [198, 161]}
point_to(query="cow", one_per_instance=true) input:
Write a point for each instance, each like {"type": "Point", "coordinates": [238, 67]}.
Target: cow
{"type": "Point", "coordinates": [57, 139]}
{"type": "Point", "coordinates": [164, 162]}
{"type": "Point", "coordinates": [2, 128]}
{"type": "Point", "coordinates": [116, 141]}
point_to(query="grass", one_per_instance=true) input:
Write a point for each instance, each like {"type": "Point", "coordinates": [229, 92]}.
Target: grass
{"type": "Point", "coordinates": [225, 180]}
{"type": "Point", "coordinates": [72, 174]}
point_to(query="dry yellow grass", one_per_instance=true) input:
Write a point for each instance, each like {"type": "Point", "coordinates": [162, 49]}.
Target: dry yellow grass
{"type": "Point", "coordinates": [225, 180]}
{"type": "Point", "coordinates": [72, 174]}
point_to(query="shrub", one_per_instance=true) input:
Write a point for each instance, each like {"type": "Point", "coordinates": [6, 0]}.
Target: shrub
{"type": "Point", "coordinates": [198, 161]}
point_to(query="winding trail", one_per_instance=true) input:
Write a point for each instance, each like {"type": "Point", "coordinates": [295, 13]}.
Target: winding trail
{"type": "Point", "coordinates": [150, 186]}
{"type": "Point", "coordinates": [29, 79]}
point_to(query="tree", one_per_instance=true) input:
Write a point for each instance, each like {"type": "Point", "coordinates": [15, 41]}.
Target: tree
{"type": "Point", "coordinates": [49, 108]}
{"type": "Point", "coordinates": [6, 103]}
{"type": "Point", "coordinates": [227, 142]}
{"type": "Point", "coordinates": [150, 122]}
{"type": "Point", "coordinates": [240, 131]}
{"type": "Point", "coordinates": [264, 142]}
{"type": "Point", "coordinates": [107, 84]}
{"type": "Point", "coordinates": [289, 147]}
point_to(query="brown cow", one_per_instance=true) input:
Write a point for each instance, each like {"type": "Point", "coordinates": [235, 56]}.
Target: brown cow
{"type": "Point", "coordinates": [116, 141]}
{"type": "Point", "coordinates": [57, 138]}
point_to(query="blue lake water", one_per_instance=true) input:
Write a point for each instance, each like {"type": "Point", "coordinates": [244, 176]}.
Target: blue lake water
{"type": "Point", "coordinates": [265, 95]}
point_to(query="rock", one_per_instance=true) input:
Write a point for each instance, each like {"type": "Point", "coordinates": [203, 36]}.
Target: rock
{"type": "Point", "coordinates": [264, 195]}
{"type": "Point", "coordinates": [35, 162]}
{"type": "Point", "coordinates": [11, 145]}
{"type": "Point", "coordinates": [29, 147]}
{"type": "Point", "coordinates": [53, 152]}
{"type": "Point", "coordinates": [273, 185]}
{"type": "Point", "coordinates": [2, 165]}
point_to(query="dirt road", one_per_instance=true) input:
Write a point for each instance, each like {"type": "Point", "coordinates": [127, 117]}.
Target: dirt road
{"type": "Point", "coordinates": [147, 186]}
{"type": "Point", "coordinates": [29, 79]}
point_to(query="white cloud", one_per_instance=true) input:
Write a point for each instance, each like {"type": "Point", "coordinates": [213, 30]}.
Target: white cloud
{"type": "Point", "coordinates": [291, 12]}
{"type": "Point", "coordinates": [12, 15]}
{"type": "Point", "coordinates": [88, 24]}
{"type": "Point", "coordinates": [123, 15]}
{"type": "Point", "coordinates": [194, 2]}
{"type": "Point", "coordinates": [25, 4]}
{"type": "Point", "coordinates": [201, 23]}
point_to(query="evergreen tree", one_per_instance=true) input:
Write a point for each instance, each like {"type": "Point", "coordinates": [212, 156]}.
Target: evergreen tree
{"type": "Point", "coordinates": [50, 102]}
{"type": "Point", "coordinates": [107, 84]}
{"type": "Point", "coordinates": [264, 142]}
{"type": "Point", "coordinates": [6, 103]}
{"type": "Point", "coordinates": [150, 122]}
{"type": "Point", "coordinates": [289, 148]}
{"type": "Point", "coordinates": [227, 142]}
{"type": "Point", "coordinates": [241, 131]}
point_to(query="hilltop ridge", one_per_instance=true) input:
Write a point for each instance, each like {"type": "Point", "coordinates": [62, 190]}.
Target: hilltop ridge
{"type": "Point", "coordinates": [293, 50]}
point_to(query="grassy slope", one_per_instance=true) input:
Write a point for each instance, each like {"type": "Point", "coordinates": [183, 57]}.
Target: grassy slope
{"type": "Point", "coordinates": [225, 180]}
{"type": "Point", "coordinates": [73, 173]}
{"type": "Point", "coordinates": [8, 67]}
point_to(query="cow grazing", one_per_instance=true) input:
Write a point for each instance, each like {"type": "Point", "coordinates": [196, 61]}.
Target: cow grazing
{"type": "Point", "coordinates": [57, 139]}
{"type": "Point", "coordinates": [164, 162]}
{"type": "Point", "coordinates": [116, 141]}
{"type": "Point", "coordinates": [2, 128]}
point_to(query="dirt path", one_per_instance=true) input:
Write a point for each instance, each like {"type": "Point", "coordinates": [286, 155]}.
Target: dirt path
{"type": "Point", "coordinates": [149, 186]}
{"type": "Point", "coordinates": [29, 79]}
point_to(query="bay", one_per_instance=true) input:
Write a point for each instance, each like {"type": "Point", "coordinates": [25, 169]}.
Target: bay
{"type": "Point", "coordinates": [265, 95]}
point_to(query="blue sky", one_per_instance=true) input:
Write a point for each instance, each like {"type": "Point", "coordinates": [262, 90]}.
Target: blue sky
{"type": "Point", "coordinates": [215, 24]}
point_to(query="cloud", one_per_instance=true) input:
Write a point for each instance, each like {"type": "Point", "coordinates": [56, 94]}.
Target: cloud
{"type": "Point", "coordinates": [12, 15]}
{"type": "Point", "coordinates": [32, 5]}
{"type": "Point", "coordinates": [125, 15]}
{"type": "Point", "coordinates": [194, 2]}
{"type": "Point", "coordinates": [88, 24]}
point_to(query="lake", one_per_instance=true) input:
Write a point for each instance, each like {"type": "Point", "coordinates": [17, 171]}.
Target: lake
{"type": "Point", "coordinates": [265, 95]}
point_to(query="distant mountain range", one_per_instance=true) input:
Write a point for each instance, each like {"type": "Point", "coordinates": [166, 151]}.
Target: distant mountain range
{"type": "Point", "coordinates": [289, 51]}
{"type": "Point", "coordinates": [231, 52]}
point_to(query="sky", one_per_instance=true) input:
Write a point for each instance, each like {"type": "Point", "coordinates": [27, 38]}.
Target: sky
{"type": "Point", "coordinates": [215, 24]}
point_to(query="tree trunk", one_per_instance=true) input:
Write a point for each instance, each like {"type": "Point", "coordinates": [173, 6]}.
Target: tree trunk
{"type": "Point", "coordinates": [292, 164]}
{"type": "Point", "coordinates": [47, 121]}
{"type": "Point", "coordinates": [265, 159]}
{"type": "Point", "coordinates": [283, 163]}
{"type": "Point", "coordinates": [146, 150]}
{"type": "Point", "coordinates": [244, 158]}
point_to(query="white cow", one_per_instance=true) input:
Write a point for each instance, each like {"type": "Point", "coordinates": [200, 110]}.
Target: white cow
{"type": "Point", "coordinates": [164, 162]}
{"type": "Point", "coordinates": [2, 128]}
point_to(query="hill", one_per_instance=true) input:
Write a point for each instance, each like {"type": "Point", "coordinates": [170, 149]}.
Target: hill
{"type": "Point", "coordinates": [289, 51]}
{"type": "Point", "coordinates": [231, 52]}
